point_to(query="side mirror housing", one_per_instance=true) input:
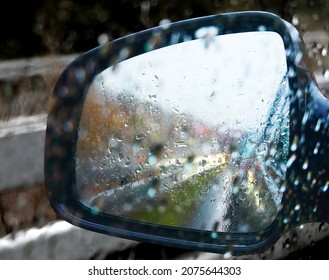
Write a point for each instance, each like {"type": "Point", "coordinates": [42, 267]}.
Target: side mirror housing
{"type": "Point", "coordinates": [194, 134]}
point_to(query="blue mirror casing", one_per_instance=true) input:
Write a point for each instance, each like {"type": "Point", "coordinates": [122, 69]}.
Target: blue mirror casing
{"type": "Point", "coordinates": [305, 197]}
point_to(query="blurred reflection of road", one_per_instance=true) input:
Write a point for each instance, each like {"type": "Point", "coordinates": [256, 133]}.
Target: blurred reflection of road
{"type": "Point", "coordinates": [212, 193]}
{"type": "Point", "coordinates": [210, 214]}
{"type": "Point", "coordinates": [203, 183]}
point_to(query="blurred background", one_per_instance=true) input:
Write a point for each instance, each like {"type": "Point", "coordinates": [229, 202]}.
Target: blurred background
{"type": "Point", "coordinates": [41, 28]}
{"type": "Point", "coordinates": [38, 39]}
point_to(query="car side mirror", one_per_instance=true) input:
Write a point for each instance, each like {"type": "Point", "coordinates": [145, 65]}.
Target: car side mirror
{"type": "Point", "coordinates": [182, 135]}
{"type": "Point", "coordinates": [191, 134]}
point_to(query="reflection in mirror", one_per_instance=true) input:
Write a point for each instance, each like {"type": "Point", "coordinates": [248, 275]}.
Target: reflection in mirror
{"type": "Point", "coordinates": [192, 135]}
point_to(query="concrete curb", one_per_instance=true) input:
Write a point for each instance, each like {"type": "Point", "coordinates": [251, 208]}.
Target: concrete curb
{"type": "Point", "coordinates": [60, 241]}
{"type": "Point", "coordinates": [22, 151]}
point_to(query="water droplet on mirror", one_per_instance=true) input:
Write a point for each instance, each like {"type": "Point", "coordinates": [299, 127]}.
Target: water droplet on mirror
{"type": "Point", "coordinates": [291, 160]}
{"type": "Point", "coordinates": [127, 164]}
{"type": "Point", "coordinates": [136, 148]}
{"type": "Point", "coordinates": [180, 145]}
{"type": "Point", "coordinates": [113, 142]}
{"type": "Point", "coordinates": [165, 23]}
{"type": "Point", "coordinates": [324, 52]}
{"type": "Point", "coordinates": [305, 118]}
{"type": "Point", "coordinates": [242, 198]}
{"type": "Point", "coordinates": [309, 176]}
{"type": "Point", "coordinates": [124, 54]}
{"type": "Point", "coordinates": [292, 73]}
{"type": "Point", "coordinates": [151, 96]}
{"type": "Point", "coordinates": [326, 74]}
{"type": "Point", "coordinates": [80, 74]}
{"type": "Point", "coordinates": [214, 235]}
{"type": "Point", "coordinates": [227, 255]}
{"type": "Point", "coordinates": [261, 28]}
{"type": "Point", "coordinates": [206, 32]}
{"type": "Point", "coordinates": [178, 209]}
{"type": "Point", "coordinates": [120, 157]}
{"type": "Point", "coordinates": [103, 39]}
{"type": "Point", "coordinates": [316, 149]}
{"type": "Point", "coordinates": [127, 207]}
{"type": "Point", "coordinates": [286, 243]}
{"type": "Point", "coordinates": [318, 125]}
{"type": "Point", "coordinates": [305, 165]}
{"type": "Point", "coordinates": [235, 155]}
{"type": "Point", "coordinates": [295, 20]}
{"type": "Point", "coordinates": [289, 52]}
{"type": "Point", "coordinates": [161, 209]}
{"type": "Point", "coordinates": [94, 210]}
{"type": "Point", "coordinates": [152, 160]}
{"type": "Point", "coordinates": [235, 190]}
{"type": "Point", "coordinates": [178, 163]}
{"type": "Point", "coordinates": [68, 126]}
{"type": "Point", "coordinates": [149, 208]}
{"type": "Point", "coordinates": [188, 167]}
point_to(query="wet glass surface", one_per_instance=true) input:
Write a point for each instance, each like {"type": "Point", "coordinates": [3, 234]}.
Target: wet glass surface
{"type": "Point", "coordinates": [192, 135]}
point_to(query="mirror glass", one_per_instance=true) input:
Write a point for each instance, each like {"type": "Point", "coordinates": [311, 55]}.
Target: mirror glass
{"type": "Point", "coordinates": [192, 135]}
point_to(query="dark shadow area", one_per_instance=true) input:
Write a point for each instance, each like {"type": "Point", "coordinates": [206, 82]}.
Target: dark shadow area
{"type": "Point", "coordinates": [146, 251]}
{"type": "Point", "coordinates": [34, 28]}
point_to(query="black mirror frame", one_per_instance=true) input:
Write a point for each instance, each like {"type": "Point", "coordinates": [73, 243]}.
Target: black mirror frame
{"type": "Point", "coordinates": [65, 108]}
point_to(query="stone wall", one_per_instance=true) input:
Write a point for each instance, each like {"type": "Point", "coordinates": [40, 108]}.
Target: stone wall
{"type": "Point", "coordinates": [26, 84]}
{"type": "Point", "coordinates": [25, 88]}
